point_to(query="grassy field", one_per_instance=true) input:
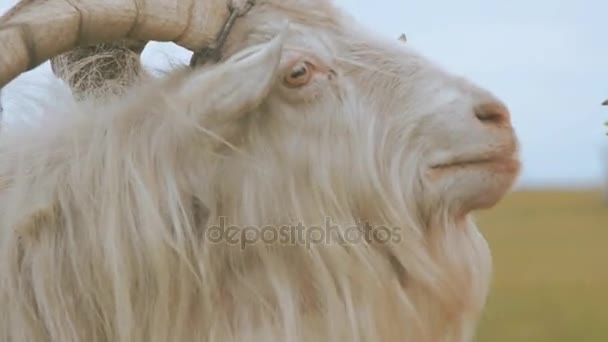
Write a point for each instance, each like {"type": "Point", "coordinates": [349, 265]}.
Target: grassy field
{"type": "Point", "coordinates": [550, 251]}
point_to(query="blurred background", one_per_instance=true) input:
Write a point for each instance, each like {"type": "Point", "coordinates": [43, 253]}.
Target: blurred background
{"type": "Point", "coordinates": [548, 61]}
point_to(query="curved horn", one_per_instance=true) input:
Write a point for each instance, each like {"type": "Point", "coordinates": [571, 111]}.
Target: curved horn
{"type": "Point", "coordinates": [37, 30]}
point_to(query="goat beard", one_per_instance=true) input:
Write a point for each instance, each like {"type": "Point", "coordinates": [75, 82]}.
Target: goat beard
{"type": "Point", "coordinates": [133, 250]}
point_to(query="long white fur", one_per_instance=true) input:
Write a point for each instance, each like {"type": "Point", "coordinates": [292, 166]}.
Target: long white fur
{"type": "Point", "coordinates": [106, 205]}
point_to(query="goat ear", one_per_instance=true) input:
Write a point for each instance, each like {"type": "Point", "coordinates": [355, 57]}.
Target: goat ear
{"type": "Point", "coordinates": [237, 85]}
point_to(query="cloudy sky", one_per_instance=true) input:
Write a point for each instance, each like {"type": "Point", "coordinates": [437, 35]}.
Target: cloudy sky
{"type": "Point", "coordinates": [548, 60]}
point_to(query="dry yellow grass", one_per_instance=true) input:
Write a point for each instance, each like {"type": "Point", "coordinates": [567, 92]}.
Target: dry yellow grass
{"type": "Point", "coordinates": [550, 252]}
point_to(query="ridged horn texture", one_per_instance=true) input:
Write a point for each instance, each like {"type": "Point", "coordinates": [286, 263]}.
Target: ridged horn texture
{"type": "Point", "coordinates": [34, 31]}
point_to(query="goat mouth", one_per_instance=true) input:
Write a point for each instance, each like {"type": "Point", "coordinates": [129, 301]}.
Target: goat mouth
{"type": "Point", "coordinates": [506, 162]}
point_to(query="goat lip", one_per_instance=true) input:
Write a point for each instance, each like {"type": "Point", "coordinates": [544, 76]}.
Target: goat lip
{"type": "Point", "coordinates": [498, 160]}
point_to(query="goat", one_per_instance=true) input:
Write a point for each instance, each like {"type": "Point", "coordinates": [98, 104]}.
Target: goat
{"type": "Point", "coordinates": [183, 207]}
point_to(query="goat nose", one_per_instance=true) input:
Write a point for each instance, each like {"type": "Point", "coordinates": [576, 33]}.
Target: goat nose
{"type": "Point", "coordinates": [494, 113]}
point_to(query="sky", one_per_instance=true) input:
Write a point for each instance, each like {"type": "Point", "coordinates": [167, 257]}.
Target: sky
{"type": "Point", "coordinates": [548, 60]}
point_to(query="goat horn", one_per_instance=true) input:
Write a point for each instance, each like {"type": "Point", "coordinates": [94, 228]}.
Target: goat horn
{"type": "Point", "coordinates": [36, 30]}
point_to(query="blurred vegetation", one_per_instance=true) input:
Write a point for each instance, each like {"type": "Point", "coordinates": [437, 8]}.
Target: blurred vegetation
{"type": "Point", "coordinates": [605, 104]}
{"type": "Point", "coordinates": [550, 282]}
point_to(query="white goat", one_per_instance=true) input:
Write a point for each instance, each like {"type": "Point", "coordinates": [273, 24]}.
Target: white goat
{"type": "Point", "coordinates": [128, 217]}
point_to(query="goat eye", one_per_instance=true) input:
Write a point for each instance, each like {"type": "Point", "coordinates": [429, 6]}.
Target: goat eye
{"type": "Point", "coordinates": [299, 75]}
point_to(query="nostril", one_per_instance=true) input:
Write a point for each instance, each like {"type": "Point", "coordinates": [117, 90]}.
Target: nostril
{"type": "Point", "coordinates": [493, 113]}
{"type": "Point", "coordinates": [490, 117]}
